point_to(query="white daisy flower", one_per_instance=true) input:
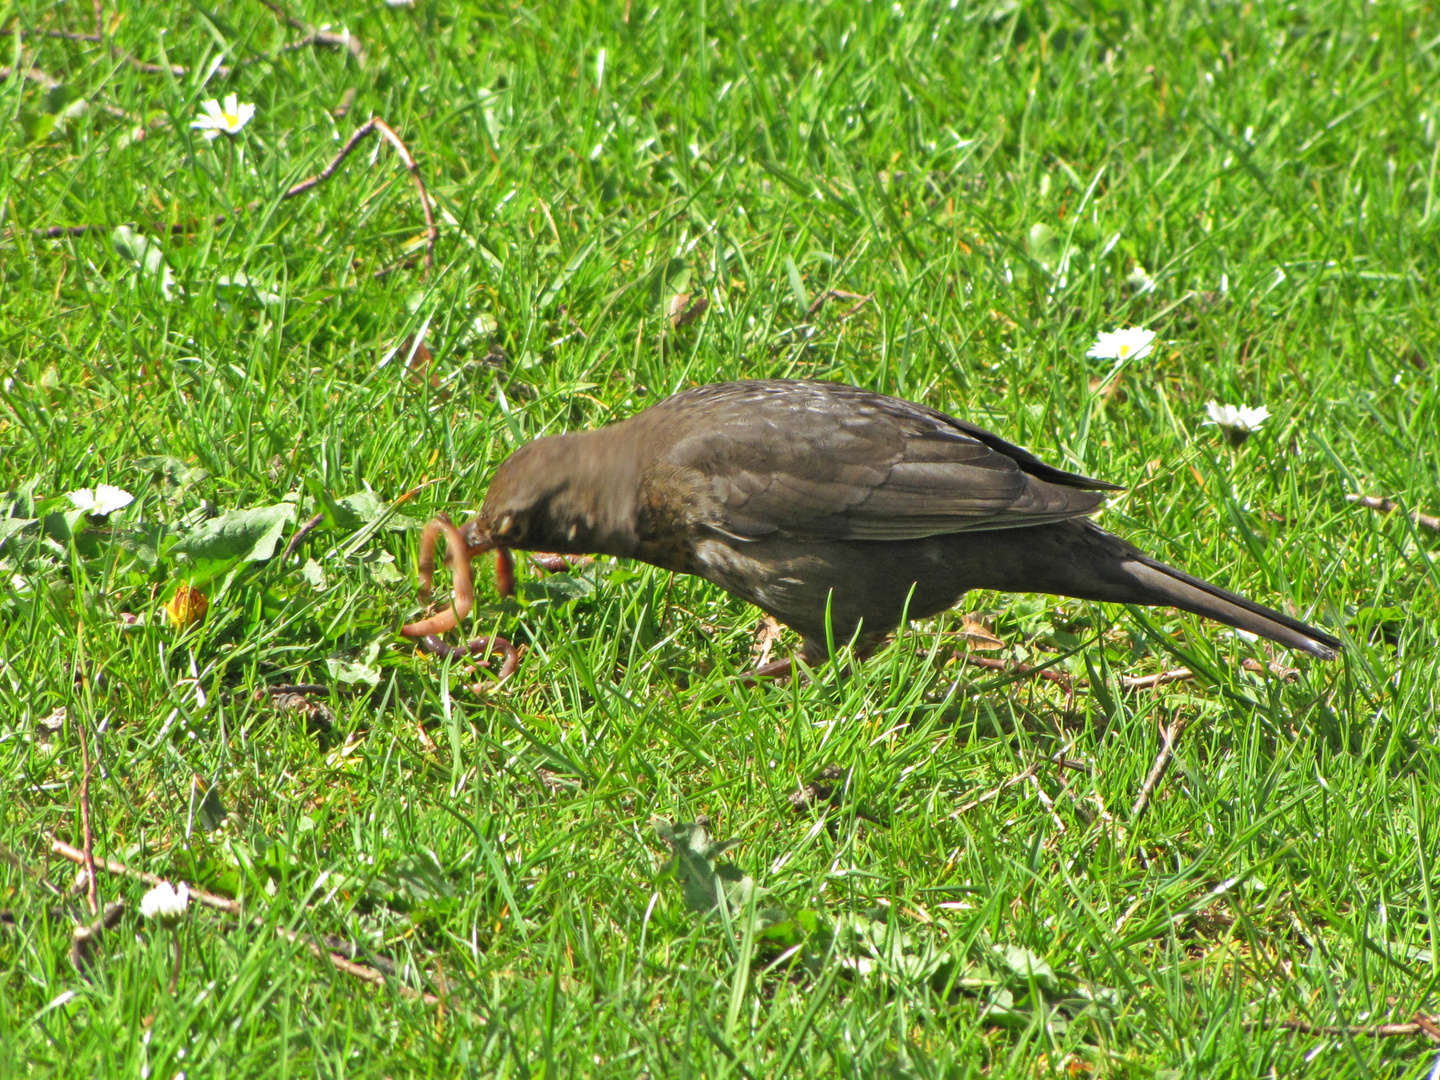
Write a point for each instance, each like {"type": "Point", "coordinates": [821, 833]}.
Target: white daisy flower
{"type": "Point", "coordinates": [1129, 343]}
{"type": "Point", "coordinates": [100, 501]}
{"type": "Point", "coordinates": [1236, 421]}
{"type": "Point", "coordinates": [165, 903]}
{"type": "Point", "coordinates": [225, 119]}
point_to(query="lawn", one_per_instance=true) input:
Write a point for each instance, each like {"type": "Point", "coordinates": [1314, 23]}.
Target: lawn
{"type": "Point", "coordinates": [937, 869]}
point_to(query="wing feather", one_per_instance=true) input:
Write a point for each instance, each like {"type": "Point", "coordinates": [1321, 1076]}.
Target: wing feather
{"type": "Point", "coordinates": [823, 461]}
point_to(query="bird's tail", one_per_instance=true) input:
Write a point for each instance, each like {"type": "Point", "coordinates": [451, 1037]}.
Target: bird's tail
{"type": "Point", "coordinates": [1078, 558]}
{"type": "Point", "coordinates": [1178, 589]}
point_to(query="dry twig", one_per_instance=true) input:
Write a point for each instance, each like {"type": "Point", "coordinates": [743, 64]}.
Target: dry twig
{"type": "Point", "coordinates": [85, 939]}
{"type": "Point", "coordinates": [1420, 1025]}
{"type": "Point", "coordinates": [1160, 678]}
{"type": "Point", "coordinates": [87, 856]}
{"type": "Point", "coordinates": [32, 73]}
{"type": "Point", "coordinates": [386, 132]}
{"type": "Point", "coordinates": [372, 126]}
{"type": "Point", "coordinates": [1060, 679]}
{"type": "Point", "coordinates": [68, 35]}
{"type": "Point", "coordinates": [1168, 737]}
{"type": "Point", "coordinates": [1127, 682]}
{"type": "Point", "coordinates": [995, 792]}
{"type": "Point", "coordinates": [1389, 506]}
{"type": "Point", "coordinates": [300, 534]}
{"type": "Point", "coordinates": [1059, 759]}
{"type": "Point", "coordinates": [839, 294]}
{"type": "Point", "coordinates": [115, 866]}
{"type": "Point", "coordinates": [314, 38]}
{"type": "Point", "coordinates": [325, 950]}
{"type": "Point", "coordinates": [349, 967]}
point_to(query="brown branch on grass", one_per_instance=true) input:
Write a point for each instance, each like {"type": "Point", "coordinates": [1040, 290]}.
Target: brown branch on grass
{"type": "Point", "coordinates": [1389, 506]}
{"type": "Point", "coordinates": [1168, 737]}
{"type": "Point", "coordinates": [839, 294]}
{"type": "Point", "coordinates": [92, 888]}
{"type": "Point", "coordinates": [372, 126]}
{"type": "Point", "coordinates": [1420, 1025]}
{"type": "Point", "coordinates": [1160, 678]}
{"type": "Point", "coordinates": [996, 792]}
{"type": "Point", "coordinates": [1163, 678]}
{"type": "Point", "coordinates": [1060, 759]}
{"type": "Point", "coordinates": [32, 73]}
{"type": "Point", "coordinates": [284, 689]}
{"type": "Point", "coordinates": [300, 534]}
{"type": "Point", "coordinates": [85, 940]}
{"type": "Point", "coordinates": [325, 949]}
{"type": "Point", "coordinates": [36, 74]}
{"type": "Point", "coordinates": [115, 866]}
{"type": "Point", "coordinates": [1014, 668]}
{"type": "Point", "coordinates": [1127, 682]}
{"type": "Point", "coordinates": [376, 126]}
{"type": "Point", "coordinates": [349, 967]}
{"type": "Point", "coordinates": [96, 35]}
{"type": "Point", "coordinates": [313, 36]}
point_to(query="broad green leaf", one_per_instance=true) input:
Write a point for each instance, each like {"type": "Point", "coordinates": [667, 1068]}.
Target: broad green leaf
{"type": "Point", "coordinates": [703, 879]}
{"type": "Point", "coordinates": [1025, 964]}
{"type": "Point", "coordinates": [352, 671]}
{"type": "Point", "coordinates": [14, 525]}
{"type": "Point", "coordinates": [175, 474]}
{"type": "Point", "coordinates": [313, 574]}
{"type": "Point", "coordinates": [248, 535]}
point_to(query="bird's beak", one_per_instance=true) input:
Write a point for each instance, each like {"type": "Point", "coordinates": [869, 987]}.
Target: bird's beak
{"type": "Point", "coordinates": [478, 539]}
{"type": "Point", "coordinates": [476, 535]}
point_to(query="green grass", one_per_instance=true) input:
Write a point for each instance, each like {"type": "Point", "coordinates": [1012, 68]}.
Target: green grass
{"type": "Point", "coordinates": [991, 174]}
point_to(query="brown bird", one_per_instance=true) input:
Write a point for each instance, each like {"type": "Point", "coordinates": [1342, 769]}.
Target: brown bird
{"type": "Point", "coordinates": [816, 500]}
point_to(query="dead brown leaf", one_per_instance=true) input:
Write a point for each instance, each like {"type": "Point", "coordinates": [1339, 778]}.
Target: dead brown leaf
{"type": "Point", "coordinates": [978, 636]}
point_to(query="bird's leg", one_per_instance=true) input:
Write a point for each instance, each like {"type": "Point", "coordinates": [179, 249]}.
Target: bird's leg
{"type": "Point", "coordinates": [504, 571]}
{"type": "Point", "coordinates": [776, 669]}
{"type": "Point", "coordinates": [811, 655]}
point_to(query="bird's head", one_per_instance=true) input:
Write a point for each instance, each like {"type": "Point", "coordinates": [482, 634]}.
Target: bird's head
{"type": "Point", "coordinates": [573, 494]}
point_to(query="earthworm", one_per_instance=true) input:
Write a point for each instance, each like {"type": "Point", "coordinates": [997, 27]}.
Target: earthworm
{"type": "Point", "coordinates": [480, 646]}
{"type": "Point", "coordinates": [558, 564]}
{"type": "Point", "coordinates": [458, 556]}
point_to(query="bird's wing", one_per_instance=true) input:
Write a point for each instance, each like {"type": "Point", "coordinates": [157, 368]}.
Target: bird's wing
{"type": "Point", "coordinates": [820, 461]}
